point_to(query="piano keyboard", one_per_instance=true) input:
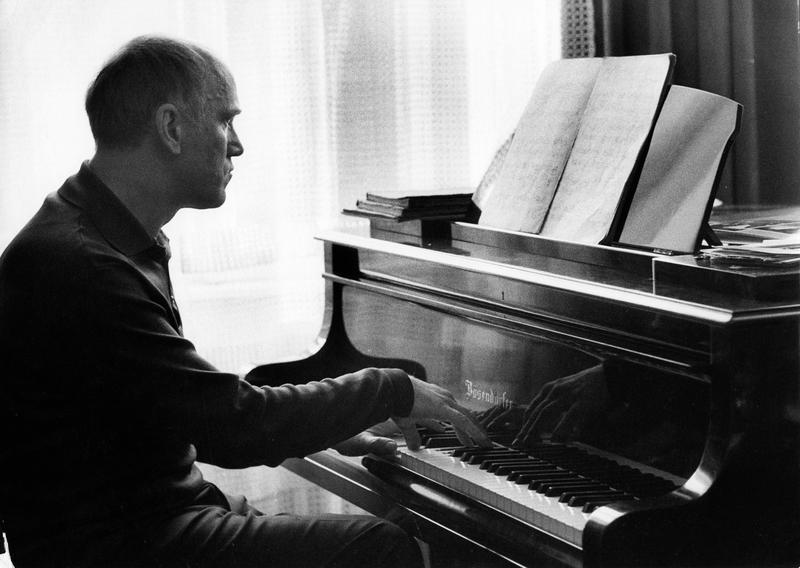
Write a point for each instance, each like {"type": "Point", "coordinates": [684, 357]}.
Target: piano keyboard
{"type": "Point", "coordinates": [553, 487]}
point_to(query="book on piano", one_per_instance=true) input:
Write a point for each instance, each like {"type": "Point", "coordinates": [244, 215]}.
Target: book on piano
{"type": "Point", "coordinates": [607, 152]}
{"type": "Point", "coordinates": [420, 200]}
{"type": "Point", "coordinates": [449, 204]}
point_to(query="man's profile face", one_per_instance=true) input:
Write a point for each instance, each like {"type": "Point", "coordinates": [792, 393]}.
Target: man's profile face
{"type": "Point", "coordinates": [211, 143]}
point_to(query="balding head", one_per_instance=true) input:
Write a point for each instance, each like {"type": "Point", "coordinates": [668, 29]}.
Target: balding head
{"type": "Point", "coordinates": [146, 73]}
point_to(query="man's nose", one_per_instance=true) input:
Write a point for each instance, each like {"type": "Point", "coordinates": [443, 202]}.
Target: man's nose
{"type": "Point", "coordinates": [235, 147]}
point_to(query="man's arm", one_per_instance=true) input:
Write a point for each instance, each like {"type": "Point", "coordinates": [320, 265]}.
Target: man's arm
{"type": "Point", "coordinates": [231, 422]}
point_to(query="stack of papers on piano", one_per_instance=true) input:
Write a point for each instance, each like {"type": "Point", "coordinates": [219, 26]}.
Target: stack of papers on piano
{"type": "Point", "coordinates": [454, 205]}
{"type": "Point", "coordinates": [776, 255]}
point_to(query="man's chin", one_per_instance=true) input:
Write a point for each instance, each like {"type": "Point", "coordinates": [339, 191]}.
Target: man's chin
{"type": "Point", "coordinates": [210, 203]}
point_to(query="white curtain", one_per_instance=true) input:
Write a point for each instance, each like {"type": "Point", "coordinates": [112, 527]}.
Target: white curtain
{"type": "Point", "coordinates": [339, 97]}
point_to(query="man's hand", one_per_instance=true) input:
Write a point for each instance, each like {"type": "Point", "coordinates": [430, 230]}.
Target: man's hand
{"type": "Point", "coordinates": [432, 402]}
{"type": "Point", "coordinates": [380, 439]}
{"type": "Point", "coordinates": [367, 442]}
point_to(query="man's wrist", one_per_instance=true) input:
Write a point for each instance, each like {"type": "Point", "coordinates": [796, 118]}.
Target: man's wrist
{"type": "Point", "coordinates": [403, 392]}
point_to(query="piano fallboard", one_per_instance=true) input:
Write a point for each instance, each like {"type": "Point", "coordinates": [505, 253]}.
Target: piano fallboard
{"type": "Point", "coordinates": [693, 391]}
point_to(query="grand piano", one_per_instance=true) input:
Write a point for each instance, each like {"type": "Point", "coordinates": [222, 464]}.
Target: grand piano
{"type": "Point", "coordinates": [687, 447]}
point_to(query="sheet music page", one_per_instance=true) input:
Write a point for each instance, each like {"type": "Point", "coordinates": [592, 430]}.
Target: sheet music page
{"type": "Point", "coordinates": [485, 187]}
{"type": "Point", "coordinates": [528, 177]}
{"type": "Point", "coordinates": [678, 176]}
{"type": "Point", "coordinates": [618, 118]}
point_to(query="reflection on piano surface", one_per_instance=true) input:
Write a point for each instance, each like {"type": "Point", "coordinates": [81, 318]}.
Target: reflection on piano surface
{"type": "Point", "coordinates": [632, 406]}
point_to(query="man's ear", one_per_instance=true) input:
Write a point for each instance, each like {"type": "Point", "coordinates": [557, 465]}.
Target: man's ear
{"type": "Point", "coordinates": [169, 128]}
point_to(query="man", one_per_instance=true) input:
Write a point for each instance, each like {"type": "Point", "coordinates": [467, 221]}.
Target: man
{"type": "Point", "coordinates": [105, 407]}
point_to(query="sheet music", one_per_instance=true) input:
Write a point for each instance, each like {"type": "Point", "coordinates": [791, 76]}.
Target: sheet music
{"type": "Point", "coordinates": [485, 187]}
{"type": "Point", "coordinates": [618, 118]}
{"type": "Point", "coordinates": [678, 176]}
{"type": "Point", "coordinates": [541, 146]}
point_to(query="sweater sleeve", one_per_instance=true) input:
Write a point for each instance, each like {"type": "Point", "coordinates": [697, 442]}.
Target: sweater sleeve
{"type": "Point", "coordinates": [158, 385]}
{"type": "Point", "coordinates": [300, 419]}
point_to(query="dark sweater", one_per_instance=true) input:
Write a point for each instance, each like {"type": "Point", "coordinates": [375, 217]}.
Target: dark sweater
{"type": "Point", "coordinates": [105, 406]}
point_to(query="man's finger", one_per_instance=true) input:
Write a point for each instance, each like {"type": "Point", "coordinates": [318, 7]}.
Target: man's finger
{"type": "Point", "coordinates": [410, 433]}
{"type": "Point", "coordinates": [382, 446]}
{"type": "Point", "coordinates": [365, 443]}
{"type": "Point", "coordinates": [469, 432]}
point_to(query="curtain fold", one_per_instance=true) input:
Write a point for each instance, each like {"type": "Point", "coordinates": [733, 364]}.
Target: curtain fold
{"type": "Point", "coordinates": [747, 50]}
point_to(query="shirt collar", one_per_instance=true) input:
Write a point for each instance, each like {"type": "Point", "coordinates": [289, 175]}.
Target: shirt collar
{"type": "Point", "coordinates": [114, 221]}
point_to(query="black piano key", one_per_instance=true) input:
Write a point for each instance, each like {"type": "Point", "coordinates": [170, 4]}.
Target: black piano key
{"type": "Point", "coordinates": [593, 491]}
{"type": "Point", "coordinates": [459, 451]}
{"type": "Point", "coordinates": [539, 482]}
{"type": "Point", "coordinates": [591, 505]}
{"type": "Point", "coordinates": [492, 463]}
{"type": "Point", "coordinates": [568, 478]}
{"type": "Point", "coordinates": [578, 499]}
{"type": "Point", "coordinates": [479, 458]}
{"type": "Point", "coordinates": [555, 489]}
{"type": "Point", "coordinates": [511, 467]}
{"type": "Point", "coordinates": [529, 477]}
{"type": "Point", "coordinates": [525, 475]}
{"type": "Point", "coordinates": [581, 499]}
{"type": "Point", "coordinates": [426, 433]}
{"type": "Point", "coordinates": [442, 441]}
{"type": "Point", "coordinates": [506, 467]}
{"type": "Point", "coordinates": [556, 469]}
{"type": "Point", "coordinates": [531, 469]}
{"type": "Point", "coordinates": [499, 451]}
{"type": "Point", "coordinates": [468, 452]}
